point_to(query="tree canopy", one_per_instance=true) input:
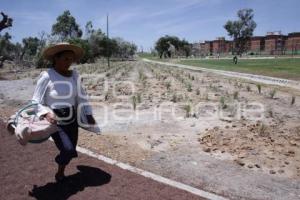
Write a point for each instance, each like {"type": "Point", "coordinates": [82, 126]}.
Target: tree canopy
{"type": "Point", "coordinates": [241, 30]}
{"type": "Point", "coordinates": [66, 27]}
{"type": "Point", "coordinates": [30, 46]}
{"type": "Point", "coordinates": [164, 43]}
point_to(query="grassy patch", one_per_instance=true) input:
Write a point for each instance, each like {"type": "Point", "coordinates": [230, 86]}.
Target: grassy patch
{"type": "Point", "coordinates": [279, 67]}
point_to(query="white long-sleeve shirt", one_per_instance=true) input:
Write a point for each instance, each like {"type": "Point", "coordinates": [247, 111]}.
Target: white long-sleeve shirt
{"type": "Point", "coordinates": [56, 91]}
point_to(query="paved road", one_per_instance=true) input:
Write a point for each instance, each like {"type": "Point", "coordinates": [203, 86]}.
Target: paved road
{"type": "Point", "coordinates": [27, 173]}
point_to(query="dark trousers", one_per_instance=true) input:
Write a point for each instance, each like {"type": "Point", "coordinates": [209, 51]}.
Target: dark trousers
{"type": "Point", "coordinates": [66, 138]}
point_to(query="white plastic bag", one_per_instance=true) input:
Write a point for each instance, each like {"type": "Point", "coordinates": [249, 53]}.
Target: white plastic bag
{"type": "Point", "coordinates": [29, 127]}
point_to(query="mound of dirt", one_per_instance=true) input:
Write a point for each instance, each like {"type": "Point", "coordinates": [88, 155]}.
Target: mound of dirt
{"type": "Point", "coordinates": [270, 148]}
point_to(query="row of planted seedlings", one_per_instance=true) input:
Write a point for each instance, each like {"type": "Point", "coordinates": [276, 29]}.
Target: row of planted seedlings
{"type": "Point", "coordinates": [143, 98]}
{"type": "Point", "coordinates": [92, 68]}
{"type": "Point", "coordinates": [261, 89]}
{"type": "Point", "coordinates": [177, 89]}
{"type": "Point", "coordinates": [117, 88]}
{"type": "Point", "coordinates": [202, 88]}
{"type": "Point", "coordinates": [125, 72]}
{"type": "Point", "coordinates": [147, 92]}
{"type": "Point", "coordinates": [266, 93]}
{"type": "Point", "coordinates": [100, 77]}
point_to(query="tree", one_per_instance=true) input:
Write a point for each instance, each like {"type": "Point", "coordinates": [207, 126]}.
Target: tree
{"type": "Point", "coordinates": [30, 46]}
{"type": "Point", "coordinates": [185, 47]}
{"type": "Point", "coordinates": [89, 29]}
{"type": "Point", "coordinates": [5, 22]}
{"type": "Point", "coordinates": [124, 49]}
{"type": "Point", "coordinates": [40, 62]}
{"type": "Point", "coordinates": [66, 27]}
{"type": "Point", "coordinates": [241, 30]}
{"type": "Point", "coordinates": [108, 47]}
{"type": "Point", "coordinates": [95, 41]}
{"type": "Point", "coordinates": [84, 44]}
{"type": "Point", "coordinates": [163, 45]}
{"type": "Point", "coordinates": [132, 49]}
{"type": "Point", "coordinates": [6, 48]}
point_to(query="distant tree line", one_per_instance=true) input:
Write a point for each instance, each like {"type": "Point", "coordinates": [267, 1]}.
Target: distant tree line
{"type": "Point", "coordinates": [239, 30]}
{"type": "Point", "coordinates": [95, 43]}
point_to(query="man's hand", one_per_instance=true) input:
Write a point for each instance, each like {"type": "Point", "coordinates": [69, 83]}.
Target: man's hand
{"type": "Point", "coordinates": [51, 118]}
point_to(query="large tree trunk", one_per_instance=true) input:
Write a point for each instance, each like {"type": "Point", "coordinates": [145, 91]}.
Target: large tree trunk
{"type": "Point", "coordinates": [5, 22]}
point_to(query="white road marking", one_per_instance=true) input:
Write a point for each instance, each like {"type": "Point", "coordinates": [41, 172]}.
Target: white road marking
{"type": "Point", "coordinates": [150, 175]}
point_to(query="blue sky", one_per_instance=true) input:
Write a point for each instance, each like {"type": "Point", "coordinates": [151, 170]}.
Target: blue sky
{"type": "Point", "coordinates": [143, 22]}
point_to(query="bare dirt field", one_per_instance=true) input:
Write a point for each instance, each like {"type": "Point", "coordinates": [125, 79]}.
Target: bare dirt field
{"type": "Point", "coordinates": [231, 136]}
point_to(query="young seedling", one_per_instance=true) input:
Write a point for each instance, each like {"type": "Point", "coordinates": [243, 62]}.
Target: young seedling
{"type": "Point", "coordinates": [206, 97]}
{"type": "Point", "coordinates": [174, 98]}
{"type": "Point", "coordinates": [293, 100]}
{"type": "Point", "coordinates": [263, 130]}
{"type": "Point", "coordinates": [141, 75]}
{"type": "Point", "coordinates": [139, 98]}
{"type": "Point", "coordinates": [134, 101]}
{"type": "Point", "coordinates": [259, 88]}
{"type": "Point", "coordinates": [187, 109]}
{"type": "Point", "coordinates": [236, 95]}
{"type": "Point", "coordinates": [144, 83]}
{"type": "Point", "coordinates": [168, 85]}
{"type": "Point", "coordinates": [106, 96]}
{"type": "Point", "coordinates": [222, 103]}
{"type": "Point", "coordinates": [248, 88]}
{"type": "Point", "coordinates": [272, 93]}
{"type": "Point", "coordinates": [271, 114]}
{"type": "Point", "coordinates": [189, 87]}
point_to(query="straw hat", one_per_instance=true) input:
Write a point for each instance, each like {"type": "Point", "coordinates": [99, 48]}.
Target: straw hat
{"type": "Point", "coordinates": [64, 46]}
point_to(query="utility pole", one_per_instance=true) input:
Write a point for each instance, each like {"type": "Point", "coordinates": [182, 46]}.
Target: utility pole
{"type": "Point", "coordinates": [107, 44]}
